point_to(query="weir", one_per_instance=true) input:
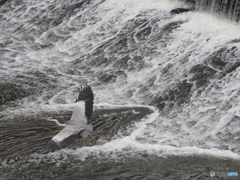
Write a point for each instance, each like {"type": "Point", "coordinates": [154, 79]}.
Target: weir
{"type": "Point", "coordinates": [225, 8]}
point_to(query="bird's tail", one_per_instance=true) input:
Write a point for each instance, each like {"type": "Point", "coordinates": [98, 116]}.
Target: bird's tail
{"type": "Point", "coordinates": [87, 131]}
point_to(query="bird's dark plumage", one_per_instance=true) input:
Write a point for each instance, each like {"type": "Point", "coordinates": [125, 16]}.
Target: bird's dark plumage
{"type": "Point", "coordinates": [86, 95]}
{"type": "Point", "coordinates": [53, 145]}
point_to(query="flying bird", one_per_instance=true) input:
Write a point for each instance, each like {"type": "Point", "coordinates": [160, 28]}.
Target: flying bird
{"type": "Point", "coordinates": [77, 126]}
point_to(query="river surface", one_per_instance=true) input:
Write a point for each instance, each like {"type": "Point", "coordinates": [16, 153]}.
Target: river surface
{"type": "Point", "coordinates": [166, 87]}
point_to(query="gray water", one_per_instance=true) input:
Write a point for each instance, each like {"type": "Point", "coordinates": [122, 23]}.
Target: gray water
{"type": "Point", "coordinates": [166, 89]}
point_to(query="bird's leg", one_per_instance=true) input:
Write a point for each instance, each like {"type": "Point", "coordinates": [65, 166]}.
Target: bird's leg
{"type": "Point", "coordinates": [99, 135]}
{"type": "Point", "coordinates": [95, 140]}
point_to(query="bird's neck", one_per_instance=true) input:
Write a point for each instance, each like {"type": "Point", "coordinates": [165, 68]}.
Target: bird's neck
{"type": "Point", "coordinates": [58, 123]}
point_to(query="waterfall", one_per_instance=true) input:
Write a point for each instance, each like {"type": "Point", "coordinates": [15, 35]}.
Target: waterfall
{"type": "Point", "coordinates": [225, 8]}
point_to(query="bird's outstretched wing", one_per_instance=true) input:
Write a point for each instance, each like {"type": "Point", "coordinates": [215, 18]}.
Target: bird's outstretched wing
{"type": "Point", "coordinates": [65, 137]}
{"type": "Point", "coordinates": [86, 95]}
{"type": "Point", "coordinates": [77, 125]}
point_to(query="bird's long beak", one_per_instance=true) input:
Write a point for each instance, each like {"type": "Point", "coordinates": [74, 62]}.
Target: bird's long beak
{"type": "Point", "coordinates": [44, 118]}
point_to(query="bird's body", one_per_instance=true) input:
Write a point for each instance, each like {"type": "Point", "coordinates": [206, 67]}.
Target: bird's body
{"type": "Point", "coordinates": [77, 126]}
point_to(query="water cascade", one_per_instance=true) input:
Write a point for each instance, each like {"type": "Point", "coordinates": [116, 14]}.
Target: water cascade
{"type": "Point", "coordinates": [225, 8]}
{"type": "Point", "coordinates": [166, 85]}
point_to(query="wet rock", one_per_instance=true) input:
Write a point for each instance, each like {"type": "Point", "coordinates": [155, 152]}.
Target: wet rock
{"type": "Point", "coordinates": [201, 74]}
{"type": "Point", "coordinates": [167, 29]}
{"type": "Point", "coordinates": [3, 2]}
{"type": "Point", "coordinates": [175, 96]}
{"type": "Point", "coordinates": [159, 102]}
{"type": "Point", "coordinates": [11, 92]}
{"type": "Point", "coordinates": [21, 85]}
{"type": "Point", "coordinates": [217, 63]}
{"type": "Point", "coordinates": [122, 62]}
{"type": "Point", "coordinates": [216, 66]}
{"type": "Point", "coordinates": [107, 77]}
{"type": "Point", "coordinates": [233, 67]}
{"type": "Point", "coordinates": [144, 33]}
{"type": "Point", "coordinates": [180, 10]}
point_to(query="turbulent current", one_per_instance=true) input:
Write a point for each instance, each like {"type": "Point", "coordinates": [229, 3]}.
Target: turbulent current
{"type": "Point", "coordinates": [166, 89]}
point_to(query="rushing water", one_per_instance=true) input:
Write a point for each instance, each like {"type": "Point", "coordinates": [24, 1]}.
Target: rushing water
{"type": "Point", "coordinates": [226, 8]}
{"type": "Point", "coordinates": [166, 89]}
